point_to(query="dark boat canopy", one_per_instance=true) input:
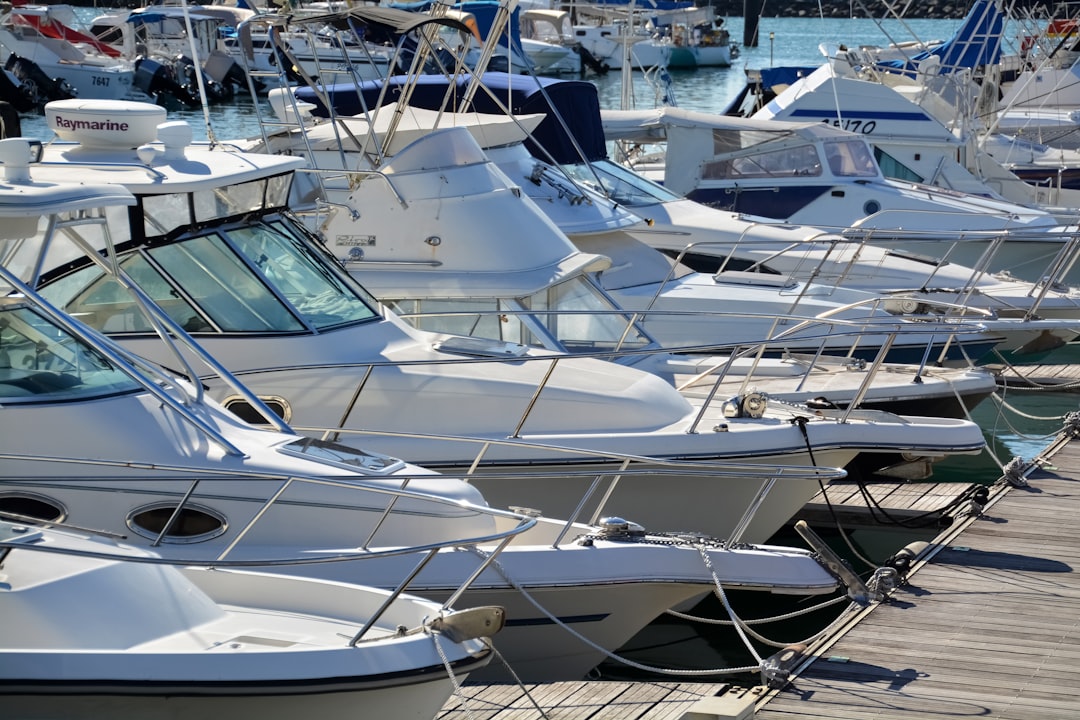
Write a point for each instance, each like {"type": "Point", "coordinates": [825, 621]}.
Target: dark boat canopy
{"type": "Point", "coordinates": [391, 21]}
{"type": "Point", "coordinates": [575, 101]}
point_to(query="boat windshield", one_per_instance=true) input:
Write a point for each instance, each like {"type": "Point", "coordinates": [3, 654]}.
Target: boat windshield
{"type": "Point", "coordinates": [40, 362]}
{"type": "Point", "coordinates": [570, 316]}
{"type": "Point", "coordinates": [850, 158]}
{"type": "Point", "coordinates": [619, 183]}
{"type": "Point", "coordinates": [256, 276]}
{"type": "Point", "coordinates": [783, 161]}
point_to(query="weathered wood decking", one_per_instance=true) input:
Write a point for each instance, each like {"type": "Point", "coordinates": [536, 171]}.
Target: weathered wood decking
{"type": "Point", "coordinates": [854, 505]}
{"type": "Point", "coordinates": [989, 626]}
{"type": "Point", "coordinates": [1063, 378]}
{"type": "Point", "coordinates": [580, 701]}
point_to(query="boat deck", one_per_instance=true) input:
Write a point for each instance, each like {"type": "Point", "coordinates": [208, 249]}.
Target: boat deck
{"type": "Point", "coordinates": [987, 626]}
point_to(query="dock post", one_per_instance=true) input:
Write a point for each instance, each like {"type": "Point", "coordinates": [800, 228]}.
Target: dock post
{"type": "Point", "coordinates": [752, 10]}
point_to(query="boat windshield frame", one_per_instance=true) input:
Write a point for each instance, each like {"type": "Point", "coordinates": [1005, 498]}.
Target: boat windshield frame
{"type": "Point", "coordinates": [543, 318]}
{"type": "Point", "coordinates": [261, 273]}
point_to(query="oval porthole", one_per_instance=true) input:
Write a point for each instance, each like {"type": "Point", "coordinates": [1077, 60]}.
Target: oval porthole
{"type": "Point", "coordinates": [871, 206]}
{"type": "Point", "coordinates": [194, 524]}
{"type": "Point", "coordinates": [21, 506]}
{"type": "Point", "coordinates": [242, 409]}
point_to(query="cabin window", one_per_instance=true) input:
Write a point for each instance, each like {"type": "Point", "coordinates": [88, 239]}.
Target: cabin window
{"type": "Point", "coordinates": [582, 318]}
{"type": "Point", "coordinates": [306, 279]}
{"type": "Point", "coordinates": [163, 214]}
{"type": "Point", "coordinates": [256, 276]}
{"type": "Point", "coordinates": [893, 168]}
{"type": "Point", "coordinates": [242, 409]}
{"type": "Point", "coordinates": [470, 317]}
{"type": "Point", "coordinates": [620, 184]}
{"type": "Point", "coordinates": [25, 507]}
{"type": "Point", "coordinates": [801, 160]}
{"type": "Point", "coordinates": [850, 158]}
{"type": "Point", "coordinates": [193, 524]}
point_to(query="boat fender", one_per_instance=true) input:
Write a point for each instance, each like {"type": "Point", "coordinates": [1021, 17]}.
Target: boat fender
{"type": "Point", "coordinates": [905, 557]}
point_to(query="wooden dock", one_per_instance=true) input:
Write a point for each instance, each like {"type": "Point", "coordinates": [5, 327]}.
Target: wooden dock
{"type": "Point", "coordinates": [988, 625]}
{"type": "Point", "coordinates": [1062, 378]}
{"type": "Point", "coordinates": [589, 701]}
{"type": "Point", "coordinates": [870, 504]}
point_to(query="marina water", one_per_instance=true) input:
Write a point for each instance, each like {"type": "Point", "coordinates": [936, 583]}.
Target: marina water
{"type": "Point", "coordinates": [1016, 423]}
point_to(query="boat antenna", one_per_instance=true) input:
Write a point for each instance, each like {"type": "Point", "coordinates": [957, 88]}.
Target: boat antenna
{"type": "Point", "coordinates": [199, 80]}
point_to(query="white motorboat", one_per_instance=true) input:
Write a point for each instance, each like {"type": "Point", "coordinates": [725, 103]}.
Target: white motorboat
{"type": "Point", "coordinates": [640, 279]}
{"type": "Point", "coordinates": [815, 175]}
{"type": "Point", "coordinates": [678, 35]}
{"type": "Point", "coordinates": [538, 289]}
{"type": "Point", "coordinates": [97, 630]}
{"type": "Point", "coordinates": [548, 39]}
{"type": "Point", "coordinates": [1032, 317]}
{"type": "Point", "coordinates": [149, 457]}
{"type": "Point", "coordinates": [273, 308]}
{"type": "Point", "coordinates": [87, 71]}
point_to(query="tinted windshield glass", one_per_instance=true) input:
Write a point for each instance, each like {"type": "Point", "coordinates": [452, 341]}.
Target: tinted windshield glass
{"type": "Point", "coordinates": [41, 362]}
{"type": "Point", "coordinates": [571, 316]}
{"type": "Point", "coordinates": [622, 185]}
{"type": "Point", "coordinates": [256, 277]}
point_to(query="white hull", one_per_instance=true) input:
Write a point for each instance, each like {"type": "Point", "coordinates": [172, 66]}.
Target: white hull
{"type": "Point", "coordinates": [106, 637]}
{"type": "Point", "coordinates": [419, 701]}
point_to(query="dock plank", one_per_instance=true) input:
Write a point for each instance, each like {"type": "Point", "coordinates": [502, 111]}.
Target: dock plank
{"type": "Point", "coordinates": [585, 700]}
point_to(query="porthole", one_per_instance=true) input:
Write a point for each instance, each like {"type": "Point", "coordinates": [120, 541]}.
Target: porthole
{"type": "Point", "coordinates": [194, 523]}
{"type": "Point", "coordinates": [26, 506]}
{"type": "Point", "coordinates": [242, 409]}
{"type": "Point", "coordinates": [871, 206]}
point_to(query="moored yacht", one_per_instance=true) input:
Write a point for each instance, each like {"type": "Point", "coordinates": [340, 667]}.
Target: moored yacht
{"type": "Point", "coordinates": [211, 243]}
{"type": "Point", "coordinates": [147, 456]}
{"type": "Point", "coordinates": [679, 308]}
{"type": "Point", "coordinates": [535, 287]}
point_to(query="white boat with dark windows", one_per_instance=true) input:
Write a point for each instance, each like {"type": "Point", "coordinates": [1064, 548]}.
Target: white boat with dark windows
{"type": "Point", "coordinates": [654, 34]}
{"type": "Point", "coordinates": [151, 458]}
